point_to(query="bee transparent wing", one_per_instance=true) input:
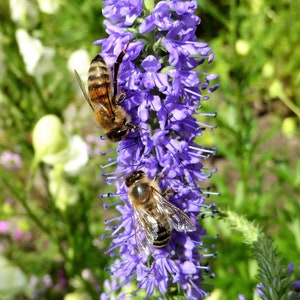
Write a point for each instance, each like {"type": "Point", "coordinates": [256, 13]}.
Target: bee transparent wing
{"type": "Point", "coordinates": [146, 229]}
{"type": "Point", "coordinates": [141, 241]}
{"type": "Point", "coordinates": [179, 219]}
{"type": "Point", "coordinates": [83, 89]}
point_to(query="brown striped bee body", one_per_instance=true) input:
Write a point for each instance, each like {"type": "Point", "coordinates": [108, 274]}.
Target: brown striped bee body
{"type": "Point", "coordinates": [154, 215]}
{"type": "Point", "coordinates": [104, 99]}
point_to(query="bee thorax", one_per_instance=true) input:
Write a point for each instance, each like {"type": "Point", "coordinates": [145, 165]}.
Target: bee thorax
{"type": "Point", "coordinates": [141, 192]}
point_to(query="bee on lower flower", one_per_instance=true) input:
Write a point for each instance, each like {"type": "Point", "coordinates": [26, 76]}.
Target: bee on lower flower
{"type": "Point", "coordinates": [154, 215]}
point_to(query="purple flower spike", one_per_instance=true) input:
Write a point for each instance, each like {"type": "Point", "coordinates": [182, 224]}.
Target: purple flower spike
{"type": "Point", "coordinates": [152, 77]}
{"type": "Point", "coordinates": [160, 74]}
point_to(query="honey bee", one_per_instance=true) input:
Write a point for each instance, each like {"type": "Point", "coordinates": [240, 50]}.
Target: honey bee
{"type": "Point", "coordinates": [104, 99]}
{"type": "Point", "coordinates": [154, 215]}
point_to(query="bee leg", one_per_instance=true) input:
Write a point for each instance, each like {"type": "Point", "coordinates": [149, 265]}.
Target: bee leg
{"type": "Point", "coordinates": [168, 192]}
{"type": "Point", "coordinates": [159, 176]}
{"type": "Point", "coordinates": [120, 98]}
{"type": "Point", "coordinates": [116, 69]}
{"type": "Point", "coordinates": [130, 125]}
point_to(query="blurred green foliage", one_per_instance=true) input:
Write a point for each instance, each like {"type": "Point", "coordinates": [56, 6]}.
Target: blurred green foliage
{"type": "Point", "coordinates": [61, 244]}
{"type": "Point", "coordinates": [256, 45]}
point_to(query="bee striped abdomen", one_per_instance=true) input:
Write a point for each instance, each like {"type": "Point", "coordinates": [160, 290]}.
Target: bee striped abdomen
{"type": "Point", "coordinates": [99, 81]}
{"type": "Point", "coordinates": [163, 236]}
{"type": "Point", "coordinates": [164, 231]}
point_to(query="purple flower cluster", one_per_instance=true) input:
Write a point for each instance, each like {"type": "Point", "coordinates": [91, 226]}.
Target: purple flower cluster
{"type": "Point", "coordinates": [164, 90]}
{"type": "Point", "coordinates": [10, 161]}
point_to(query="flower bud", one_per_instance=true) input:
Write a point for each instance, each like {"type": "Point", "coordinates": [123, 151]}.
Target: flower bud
{"type": "Point", "coordinates": [268, 70]}
{"type": "Point", "coordinates": [276, 89]}
{"type": "Point", "coordinates": [242, 47]}
{"type": "Point", "coordinates": [50, 140]}
{"type": "Point", "coordinates": [289, 127]}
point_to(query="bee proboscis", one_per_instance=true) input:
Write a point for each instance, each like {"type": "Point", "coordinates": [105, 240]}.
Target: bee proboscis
{"type": "Point", "coordinates": [104, 99]}
{"type": "Point", "coordinates": [154, 215]}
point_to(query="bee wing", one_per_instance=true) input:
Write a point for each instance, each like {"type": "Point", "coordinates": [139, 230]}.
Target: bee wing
{"type": "Point", "coordinates": [179, 220]}
{"type": "Point", "coordinates": [146, 229]}
{"type": "Point", "coordinates": [141, 242]}
{"type": "Point", "coordinates": [83, 89]}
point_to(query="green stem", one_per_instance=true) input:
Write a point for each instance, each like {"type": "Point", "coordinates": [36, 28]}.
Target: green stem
{"type": "Point", "coordinates": [243, 127]}
{"type": "Point", "coordinates": [23, 200]}
{"type": "Point", "coordinates": [36, 219]}
{"type": "Point", "coordinates": [293, 107]}
{"type": "Point", "coordinates": [212, 9]}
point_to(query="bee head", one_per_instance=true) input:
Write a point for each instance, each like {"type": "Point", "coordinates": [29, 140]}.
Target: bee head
{"type": "Point", "coordinates": [121, 129]}
{"type": "Point", "coordinates": [118, 135]}
{"type": "Point", "coordinates": [133, 177]}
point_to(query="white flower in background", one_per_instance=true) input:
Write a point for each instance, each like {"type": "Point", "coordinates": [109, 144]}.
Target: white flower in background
{"type": "Point", "coordinates": [77, 156]}
{"type": "Point", "coordinates": [63, 192]}
{"type": "Point", "coordinates": [54, 146]}
{"type": "Point", "coordinates": [68, 154]}
{"type": "Point", "coordinates": [48, 6]}
{"type": "Point", "coordinates": [37, 58]}
{"type": "Point", "coordinates": [79, 61]}
{"type": "Point", "coordinates": [24, 13]}
{"type": "Point", "coordinates": [50, 140]}
{"type": "Point", "coordinates": [12, 279]}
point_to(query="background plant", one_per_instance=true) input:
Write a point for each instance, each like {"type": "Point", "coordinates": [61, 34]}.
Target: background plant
{"type": "Point", "coordinates": [258, 137]}
{"type": "Point", "coordinates": [55, 251]}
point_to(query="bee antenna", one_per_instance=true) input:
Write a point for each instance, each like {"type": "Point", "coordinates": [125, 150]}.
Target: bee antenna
{"type": "Point", "coordinates": [159, 176]}
{"type": "Point", "coordinates": [131, 126]}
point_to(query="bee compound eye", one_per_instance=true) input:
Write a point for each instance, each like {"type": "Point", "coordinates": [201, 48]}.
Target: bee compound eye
{"type": "Point", "coordinates": [128, 181]}
{"type": "Point", "coordinates": [139, 174]}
